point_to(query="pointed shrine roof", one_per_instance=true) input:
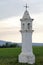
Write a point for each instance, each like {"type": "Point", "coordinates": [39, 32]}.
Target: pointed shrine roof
{"type": "Point", "coordinates": [26, 15]}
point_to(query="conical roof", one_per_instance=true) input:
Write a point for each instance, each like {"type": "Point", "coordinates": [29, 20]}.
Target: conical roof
{"type": "Point", "coordinates": [26, 15]}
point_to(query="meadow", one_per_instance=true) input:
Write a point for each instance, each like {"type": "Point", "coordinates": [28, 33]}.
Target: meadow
{"type": "Point", "coordinates": [9, 56]}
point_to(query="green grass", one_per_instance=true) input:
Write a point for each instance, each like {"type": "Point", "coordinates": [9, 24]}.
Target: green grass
{"type": "Point", "coordinates": [9, 56]}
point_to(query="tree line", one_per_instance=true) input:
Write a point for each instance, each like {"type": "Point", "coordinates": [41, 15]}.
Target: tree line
{"type": "Point", "coordinates": [7, 45]}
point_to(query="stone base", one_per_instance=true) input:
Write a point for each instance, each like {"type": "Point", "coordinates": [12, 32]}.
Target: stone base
{"type": "Point", "coordinates": [27, 58]}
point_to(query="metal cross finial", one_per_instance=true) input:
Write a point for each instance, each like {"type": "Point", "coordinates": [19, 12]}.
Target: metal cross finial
{"type": "Point", "coordinates": [26, 6]}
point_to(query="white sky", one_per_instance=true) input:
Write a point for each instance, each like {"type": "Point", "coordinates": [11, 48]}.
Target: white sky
{"type": "Point", "coordinates": [10, 13]}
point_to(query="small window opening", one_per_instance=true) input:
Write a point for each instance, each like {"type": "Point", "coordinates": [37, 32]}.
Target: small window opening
{"type": "Point", "coordinates": [28, 25]}
{"type": "Point", "coordinates": [23, 25]}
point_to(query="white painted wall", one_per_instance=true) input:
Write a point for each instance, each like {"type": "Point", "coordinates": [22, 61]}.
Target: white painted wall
{"type": "Point", "coordinates": [27, 42]}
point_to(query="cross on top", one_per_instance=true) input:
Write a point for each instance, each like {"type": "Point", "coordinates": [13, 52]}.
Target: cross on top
{"type": "Point", "coordinates": [26, 6]}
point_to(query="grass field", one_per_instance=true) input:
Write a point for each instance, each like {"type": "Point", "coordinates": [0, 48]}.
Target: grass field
{"type": "Point", "coordinates": [9, 56]}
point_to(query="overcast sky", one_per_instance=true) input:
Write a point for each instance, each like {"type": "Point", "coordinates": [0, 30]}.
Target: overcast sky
{"type": "Point", "coordinates": [10, 13]}
{"type": "Point", "coordinates": [9, 8]}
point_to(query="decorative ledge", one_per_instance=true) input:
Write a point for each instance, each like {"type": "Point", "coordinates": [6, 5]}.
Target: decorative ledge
{"type": "Point", "coordinates": [26, 31]}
